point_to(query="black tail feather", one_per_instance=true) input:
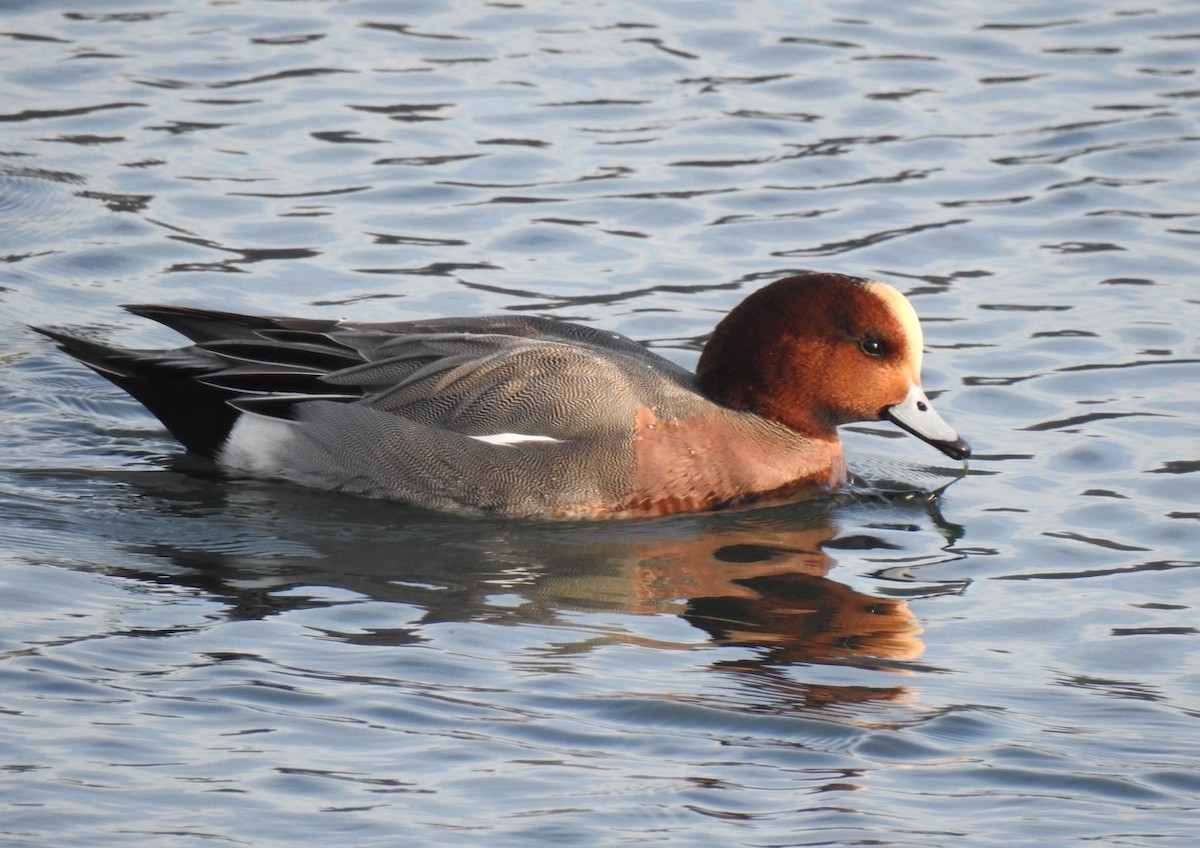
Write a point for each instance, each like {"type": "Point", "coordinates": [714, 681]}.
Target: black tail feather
{"type": "Point", "coordinates": [197, 414]}
{"type": "Point", "coordinates": [209, 325]}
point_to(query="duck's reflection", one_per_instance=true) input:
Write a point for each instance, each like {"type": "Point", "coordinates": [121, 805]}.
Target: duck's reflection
{"type": "Point", "coordinates": [757, 579]}
{"type": "Point", "coordinates": [749, 582]}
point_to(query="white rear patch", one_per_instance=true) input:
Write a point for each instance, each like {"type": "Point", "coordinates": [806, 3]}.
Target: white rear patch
{"type": "Point", "coordinates": [510, 439]}
{"type": "Point", "coordinates": [258, 445]}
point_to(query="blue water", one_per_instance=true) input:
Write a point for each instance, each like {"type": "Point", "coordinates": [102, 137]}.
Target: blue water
{"type": "Point", "coordinates": [191, 659]}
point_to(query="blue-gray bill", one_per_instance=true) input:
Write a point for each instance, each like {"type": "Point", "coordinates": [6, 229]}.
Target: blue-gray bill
{"type": "Point", "coordinates": [917, 416]}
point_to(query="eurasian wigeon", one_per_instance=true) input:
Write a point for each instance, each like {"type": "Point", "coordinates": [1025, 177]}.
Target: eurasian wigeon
{"type": "Point", "coordinates": [534, 417]}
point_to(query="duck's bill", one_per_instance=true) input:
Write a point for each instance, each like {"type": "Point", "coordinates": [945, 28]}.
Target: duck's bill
{"type": "Point", "coordinates": [916, 415]}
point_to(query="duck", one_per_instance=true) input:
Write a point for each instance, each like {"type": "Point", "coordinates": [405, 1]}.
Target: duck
{"type": "Point", "coordinates": [534, 417]}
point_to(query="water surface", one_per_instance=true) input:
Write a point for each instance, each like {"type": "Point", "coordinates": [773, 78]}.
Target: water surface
{"type": "Point", "coordinates": [189, 659]}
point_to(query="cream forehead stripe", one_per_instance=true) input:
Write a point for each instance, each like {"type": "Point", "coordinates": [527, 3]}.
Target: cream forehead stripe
{"type": "Point", "coordinates": [905, 315]}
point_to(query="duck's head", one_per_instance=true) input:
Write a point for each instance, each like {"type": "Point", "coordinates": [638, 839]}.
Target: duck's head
{"type": "Point", "coordinates": [817, 350]}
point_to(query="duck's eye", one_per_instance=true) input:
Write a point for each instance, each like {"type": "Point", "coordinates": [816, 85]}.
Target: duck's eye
{"type": "Point", "coordinates": [872, 346]}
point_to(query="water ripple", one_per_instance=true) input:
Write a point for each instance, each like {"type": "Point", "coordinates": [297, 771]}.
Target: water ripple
{"type": "Point", "coordinates": [905, 662]}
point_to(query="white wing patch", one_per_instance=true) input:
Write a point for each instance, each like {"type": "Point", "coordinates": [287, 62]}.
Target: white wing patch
{"type": "Point", "coordinates": [509, 439]}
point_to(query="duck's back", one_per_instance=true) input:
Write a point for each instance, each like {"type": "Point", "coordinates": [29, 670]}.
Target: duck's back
{"type": "Point", "coordinates": [518, 415]}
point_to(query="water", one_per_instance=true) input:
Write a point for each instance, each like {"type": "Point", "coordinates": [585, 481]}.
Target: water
{"type": "Point", "coordinates": [188, 659]}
